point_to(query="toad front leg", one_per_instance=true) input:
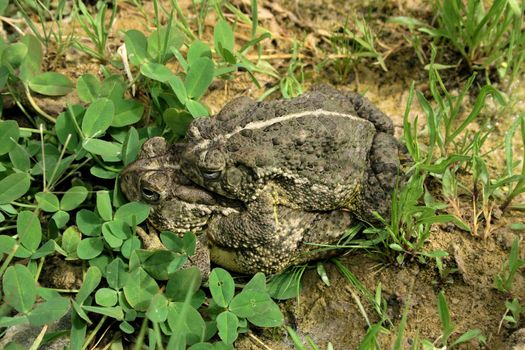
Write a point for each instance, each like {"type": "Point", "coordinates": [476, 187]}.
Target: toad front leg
{"type": "Point", "coordinates": [255, 239]}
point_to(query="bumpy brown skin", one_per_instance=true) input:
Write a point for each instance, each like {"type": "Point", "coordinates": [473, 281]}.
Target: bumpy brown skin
{"type": "Point", "coordinates": [267, 242]}
{"type": "Point", "coordinates": [176, 203]}
{"type": "Point", "coordinates": [325, 150]}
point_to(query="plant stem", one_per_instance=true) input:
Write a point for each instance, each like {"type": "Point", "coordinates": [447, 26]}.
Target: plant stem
{"type": "Point", "coordinates": [35, 131]}
{"type": "Point", "coordinates": [7, 228]}
{"type": "Point", "coordinates": [8, 260]}
{"type": "Point", "coordinates": [37, 108]}
{"type": "Point", "coordinates": [23, 205]}
{"type": "Point", "coordinates": [94, 333]}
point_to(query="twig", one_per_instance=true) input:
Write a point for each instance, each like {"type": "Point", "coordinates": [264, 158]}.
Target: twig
{"type": "Point", "coordinates": [37, 108]}
{"type": "Point", "coordinates": [11, 22]}
{"type": "Point", "coordinates": [259, 341]}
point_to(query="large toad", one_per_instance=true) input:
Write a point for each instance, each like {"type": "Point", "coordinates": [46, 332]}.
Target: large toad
{"type": "Point", "coordinates": [323, 151]}
{"type": "Point", "coordinates": [271, 243]}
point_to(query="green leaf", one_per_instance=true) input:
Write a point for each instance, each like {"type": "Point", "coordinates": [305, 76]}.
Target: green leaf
{"type": "Point", "coordinates": [7, 321]}
{"type": "Point", "coordinates": [270, 317]}
{"type": "Point", "coordinates": [517, 226]}
{"type": "Point", "coordinates": [126, 327]}
{"type": "Point", "coordinates": [31, 65]}
{"type": "Point", "coordinates": [189, 243]}
{"type": "Point", "coordinates": [9, 133]}
{"type": "Point", "coordinates": [20, 159]}
{"type": "Point", "coordinates": [199, 78]}
{"type": "Point", "coordinates": [257, 283]}
{"type": "Point", "coordinates": [227, 55]}
{"type": "Point", "coordinates": [103, 148]}
{"type": "Point", "coordinates": [196, 109]}
{"type": "Point", "coordinates": [140, 289]}
{"type": "Point", "coordinates": [47, 202]}
{"type": "Point", "coordinates": [29, 230]}
{"type": "Point", "coordinates": [88, 88]}
{"type": "Point", "coordinates": [227, 323]}
{"type": "Point", "coordinates": [197, 50]}
{"type": "Point", "coordinates": [89, 222]}
{"type": "Point", "coordinates": [156, 71]}
{"type": "Point", "coordinates": [113, 87]}
{"type": "Point", "coordinates": [118, 228]}
{"type": "Point", "coordinates": [104, 207]}
{"type": "Point", "coordinates": [7, 243]}
{"type": "Point", "coordinates": [4, 76]}
{"type": "Point", "coordinates": [158, 309]}
{"type": "Point", "coordinates": [91, 281]}
{"type": "Point", "coordinates": [444, 316]}
{"type": "Point", "coordinates": [112, 240]}
{"type": "Point", "coordinates": [396, 247]}
{"type": "Point", "coordinates": [78, 331]}
{"type": "Point", "coordinates": [223, 36]}
{"type": "Point", "coordinates": [186, 321]}
{"type": "Point", "coordinates": [203, 346]}
{"type": "Point", "coordinates": [49, 311]}
{"type": "Point", "coordinates": [129, 246]}
{"type": "Point", "coordinates": [113, 312]}
{"type": "Point", "coordinates": [136, 46]}
{"type": "Point", "coordinates": [469, 335]}
{"type": "Point", "coordinates": [46, 249]}
{"type": "Point", "coordinates": [70, 240]}
{"type": "Point", "coordinates": [116, 274]}
{"type": "Point", "coordinates": [102, 173]}
{"type": "Point", "coordinates": [51, 84]}
{"type": "Point", "coordinates": [14, 54]}
{"type": "Point", "coordinates": [127, 112]}
{"type": "Point", "coordinates": [177, 120]}
{"type": "Point", "coordinates": [73, 197]}
{"type": "Point", "coordinates": [131, 146]}
{"type": "Point", "coordinates": [98, 118]}
{"type": "Point", "coordinates": [90, 248]}
{"type": "Point", "coordinates": [106, 297]}
{"type": "Point", "coordinates": [60, 218]}
{"type": "Point", "coordinates": [13, 187]}
{"type": "Point", "coordinates": [183, 282]}
{"type": "Point", "coordinates": [160, 263]}
{"type": "Point", "coordinates": [249, 303]}
{"type": "Point", "coordinates": [19, 288]}
{"type": "Point", "coordinates": [132, 213]}
{"type": "Point", "coordinates": [157, 42]}
{"type": "Point", "coordinates": [65, 126]}
{"type": "Point", "coordinates": [285, 285]}
{"type": "Point", "coordinates": [222, 287]}
{"type": "Point", "coordinates": [3, 6]}
{"type": "Point", "coordinates": [178, 88]}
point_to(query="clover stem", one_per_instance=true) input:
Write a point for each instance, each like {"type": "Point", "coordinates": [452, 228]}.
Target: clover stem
{"type": "Point", "coordinates": [37, 108]}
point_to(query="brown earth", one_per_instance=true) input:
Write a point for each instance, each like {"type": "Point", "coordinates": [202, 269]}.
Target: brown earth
{"type": "Point", "coordinates": [331, 314]}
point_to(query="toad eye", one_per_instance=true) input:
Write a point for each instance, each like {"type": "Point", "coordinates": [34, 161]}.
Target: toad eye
{"type": "Point", "coordinates": [149, 195]}
{"type": "Point", "coordinates": [211, 175]}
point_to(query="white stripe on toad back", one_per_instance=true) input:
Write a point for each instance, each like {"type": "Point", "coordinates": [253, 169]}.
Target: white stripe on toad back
{"type": "Point", "coordinates": [203, 144]}
{"type": "Point", "coordinates": [317, 113]}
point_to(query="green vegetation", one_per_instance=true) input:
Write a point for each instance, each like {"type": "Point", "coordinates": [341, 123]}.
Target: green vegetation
{"type": "Point", "coordinates": [350, 47]}
{"type": "Point", "coordinates": [486, 36]}
{"type": "Point", "coordinates": [95, 27]}
{"type": "Point", "coordinates": [503, 281]}
{"type": "Point", "coordinates": [59, 192]}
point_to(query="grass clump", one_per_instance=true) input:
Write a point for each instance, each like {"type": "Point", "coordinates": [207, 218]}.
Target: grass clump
{"type": "Point", "coordinates": [350, 46]}
{"type": "Point", "coordinates": [96, 27]}
{"type": "Point", "coordinates": [487, 35]}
